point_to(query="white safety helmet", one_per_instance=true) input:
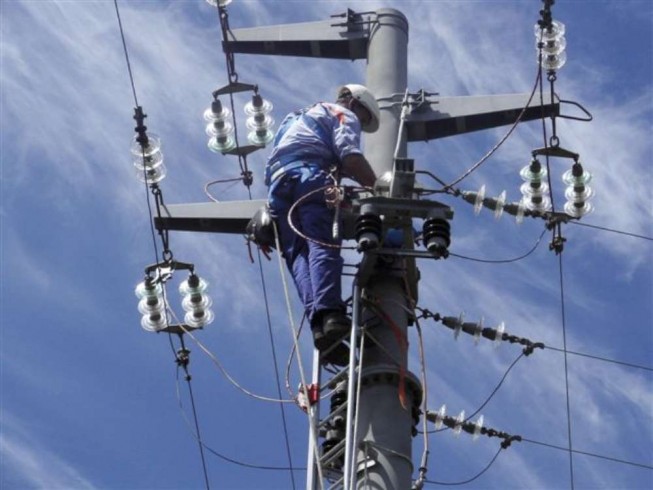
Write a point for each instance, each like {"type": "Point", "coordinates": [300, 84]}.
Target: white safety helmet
{"type": "Point", "coordinates": [367, 100]}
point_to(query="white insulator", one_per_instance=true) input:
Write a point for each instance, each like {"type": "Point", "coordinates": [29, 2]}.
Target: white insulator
{"type": "Point", "coordinates": [501, 328]}
{"type": "Point", "coordinates": [478, 426]}
{"type": "Point", "coordinates": [478, 331]}
{"type": "Point", "coordinates": [459, 423]}
{"type": "Point", "coordinates": [478, 202]}
{"type": "Point", "coordinates": [439, 417]}
{"type": "Point", "coordinates": [459, 326]}
{"type": "Point", "coordinates": [500, 203]}
{"type": "Point", "coordinates": [153, 145]}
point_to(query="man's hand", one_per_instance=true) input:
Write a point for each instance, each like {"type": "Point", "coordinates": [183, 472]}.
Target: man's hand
{"type": "Point", "coordinates": [358, 168]}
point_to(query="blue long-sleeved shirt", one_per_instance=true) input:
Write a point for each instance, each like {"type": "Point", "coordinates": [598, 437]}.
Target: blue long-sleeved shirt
{"type": "Point", "coordinates": [323, 134]}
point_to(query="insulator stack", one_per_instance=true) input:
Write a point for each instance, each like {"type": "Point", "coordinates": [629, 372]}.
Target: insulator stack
{"type": "Point", "coordinates": [148, 159]}
{"type": "Point", "coordinates": [368, 231]}
{"type": "Point", "coordinates": [497, 204]}
{"type": "Point", "coordinates": [151, 305]}
{"type": "Point", "coordinates": [552, 43]}
{"type": "Point", "coordinates": [259, 122]}
{"type": "Point", "coordinates": [578, 192]}
{"type": "Point", "coordinates": [196, 304]}
{"type": "Point", "coordinates": [534, 189]}
{"type": "Point", "coordinates": [437, 236]}
{"type": "Point", "coordinates": [219, 129]}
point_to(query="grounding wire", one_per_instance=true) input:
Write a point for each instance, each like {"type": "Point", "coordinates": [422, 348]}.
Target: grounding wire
{"type": "Point", "coordinates": [422, 356]}
{"type": "Point", "coordinates": [503, 139]}
{"type": "Point", "coordinates": [475, 477]}
{"type": "Point", "coordinates": [502, 261]}
{"type": "Point", "coordinates": [643, 237]}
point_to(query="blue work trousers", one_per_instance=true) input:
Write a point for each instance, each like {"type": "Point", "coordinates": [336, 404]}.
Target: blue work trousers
{"type": "Point", "coordinates": [316, 269]}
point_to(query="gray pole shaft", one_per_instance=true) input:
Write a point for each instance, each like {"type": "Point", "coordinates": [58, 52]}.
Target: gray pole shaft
{"type": "Point", "coordinates": [384, 425]}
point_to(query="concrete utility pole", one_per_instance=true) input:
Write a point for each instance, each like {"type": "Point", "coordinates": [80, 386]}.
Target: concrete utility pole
{"type": "Point", "coordinates": [385, 427]}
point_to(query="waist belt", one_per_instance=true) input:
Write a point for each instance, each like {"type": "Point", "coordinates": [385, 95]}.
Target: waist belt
{"type": "Point", "coordinates": [279, 167]}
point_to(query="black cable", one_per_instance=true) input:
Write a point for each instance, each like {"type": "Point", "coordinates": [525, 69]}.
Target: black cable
{"type": "Point", "coordinates": [124, 46]}
{"type": "Point", "coordinates": [594, 455]}
{"type": "Point", "coordinates": [502, 140]}
{"type": "Point", "coordinates": [133, 86]}
{"type": "Point", "coordinates": [276, 366]}
{"type": "Point", "coordinates": [504, 261]}
{"type": "Point", "coordinates": [612, 231]}
{"type": "Point", "coordinates": [222, 456]}
{"type": "Point", "coordinates": [197, 426]}
{"type": "Point", "coordinates": [604, 359]}
{"type": "Point", "coordinates": [487, 400]}
{"type": "Point", "coordinates": [434, 482]}
{"type": "Point", "coordinates": [564, 343]}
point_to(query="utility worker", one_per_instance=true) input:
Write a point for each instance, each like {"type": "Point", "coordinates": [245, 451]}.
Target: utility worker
{"type": "Point", "coordinates": [311, 150]}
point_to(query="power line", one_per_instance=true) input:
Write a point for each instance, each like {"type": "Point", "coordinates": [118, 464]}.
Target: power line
{"type": "Point", "coordinates": [227, 458]}
{"type": "Point", "coordinates": [598, 358]}
{"type": "Point", "coordinates": [124, 47]}
{"type": "Point", "coordinates": [627, 233]}
{"type": "Point", "coordinates": [478, 475]}
{"type": "Point", "coordinates": [195, 419]}
{"type": "Point", "coordinates": [564, 343]}
{"type": "Point", "coordinates": [594, 455]}
{"type": "Point", "coordinates": [276, 367]}
{"type": "Point", "coordinates": [503, 261]}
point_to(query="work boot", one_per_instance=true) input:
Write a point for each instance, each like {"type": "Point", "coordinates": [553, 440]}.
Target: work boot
{"type": "Point", "coordinates": [332, 351]}
{"type": "Point", "coordinates": [335, 325]}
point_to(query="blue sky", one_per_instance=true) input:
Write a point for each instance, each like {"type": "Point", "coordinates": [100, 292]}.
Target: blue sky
{"type": "Point", "coordinates": [89, 399]}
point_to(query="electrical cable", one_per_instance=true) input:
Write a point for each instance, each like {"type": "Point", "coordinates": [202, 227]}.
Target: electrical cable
{"type": "Point", "coordinates": [598, 358]}
{"type": "Point", "coordinates": [644, 237]}
{"type": "Point", "coordinates": [276, 367]}
{"type": "Point", "coordinates": [226, 374]}
{"type": "Point", "coordinates": [312, 429]}
{"type": "Point", "coordinates": [197, 425]}
{"type": "Point", "coordinates": [478, 475]}
{"type": "Point", "coordinates": [502, 261]}
{"type": "Point", "coordinates": [133, 87]}
{"type": "Point", "coordinates": [502, 140]}
{"type": "Point", "coordinates": [487, 400]}
{"type": "Point", "coordinates": [299, 233]}
{"type": "Point", "coordinates": [594, 455]}
{"type": "Point", "coordinates": [222, 456]}
{"type": "Point", "coordinates": [124, 46]}
{"type": "Point", "coordinates": [564, 343]}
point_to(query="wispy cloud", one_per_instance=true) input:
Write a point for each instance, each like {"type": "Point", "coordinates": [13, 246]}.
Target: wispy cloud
{"type": "Point", "coordinates": [27, 463]}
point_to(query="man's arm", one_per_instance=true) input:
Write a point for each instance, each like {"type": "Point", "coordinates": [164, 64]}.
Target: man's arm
{"type": "Point", "coordinates": [356, 166]}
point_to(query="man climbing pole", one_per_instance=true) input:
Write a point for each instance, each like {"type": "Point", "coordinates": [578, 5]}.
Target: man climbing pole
{"type": "Point", "coordinates": [313, 148]}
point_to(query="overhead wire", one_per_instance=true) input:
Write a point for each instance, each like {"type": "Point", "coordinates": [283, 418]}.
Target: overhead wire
{"type": "Point", "coordinates": [586, 453]}
{"type": "Point", "coordinates": [626, 233]}
{"type": "Point", "coordinates": [502, 261]}
{"type": "Point", "coordinates": [469, 480]}
{"type": "Point", "coordinates": [276, 366]}
{"type": "Point", "coordinates": [598, 358]}
{"type": "Point", "coordinates": [312, 429]}
{"type": "Point", "coordinates": [474, 167]}
{"type": "Point", "coordinates": [223, 456]}
{"type": "Point", "coordinates": [196, 421]}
